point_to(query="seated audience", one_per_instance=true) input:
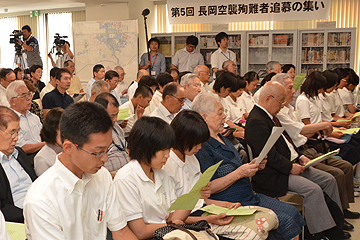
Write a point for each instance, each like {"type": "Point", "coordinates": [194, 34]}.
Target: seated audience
{"type": "Point", "coordinates": [16, 173]}
{"type": "Point", "coordinates": [229, 66]}
{"type": "Point", "coordinates": [122, 87]}
{"type": "Point", "coordinates": [77, 178]}
{"type": "Point", "coordinates": [231, 181]}
{"type": "Point", "coordinates": [98, 87]}
{"type": "Point", "coordinates": [19, 98]}
{"type": "Point", "coordinates": [7, 76]}
{"type": "Point", "coordinates": [50, 134]}
{"type": "Point", "coordinates": [192, 87]}
{"type": "Point", "coordinates": [19, 72]}
{"type": "Point", "coordinates": [266, 79]}
{"type": "Point", "coordinates": [252, 79]}
{"type": "Point", "coordinates": [112, 78]}
{"type": "Point", "coordinates": [273, 66]}
{"type": "Point", "coordinates": [144, 188]}
{"type": "Point", "coordinates": [35, 107]}
{"type": "Point", "coordinates": [149, 81]}
{"type": "Point", "coordinates": [347, 95]}
{"type": "Point", "coordinates": [58, 97]}
{"type": "Point", "coordinates": [290, 70]}
{"type": "Point", "coordinates": [137, 106]}
{"type": "Point", "coordinates": [175, 74]}
{"type": "Point", "coordinates": [98, 74]}
{"type": "Point", "coordinates": [173, 99]}
{"type": "Point", "coordinates": [75, 86]}
{"type": "Point", "coordinates": [117, 156]}
{"type": "Point", "coordinates": [162, 79]}
{"type": "Point", "coordinates": [204, 76]}
{"type": "Point", "coordinates": [52, 83]}
{"type": "Point", "coordinates": [285, 169]}
{"type": "Point", "coordinates": [36, 72]}
{"type": "Point", "coordinates": [232, 106]}
{"type": "Point", "coordinates": [134, 85]}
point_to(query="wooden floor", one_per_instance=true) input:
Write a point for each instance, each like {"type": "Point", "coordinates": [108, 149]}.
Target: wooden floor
{"type": "Point", "coordinates": [355, 234]}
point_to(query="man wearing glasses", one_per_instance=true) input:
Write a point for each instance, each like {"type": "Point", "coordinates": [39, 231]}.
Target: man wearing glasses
{"type": "Point", "coordinates": [173, 99]}
{"type": "Point", "coordinates": [75, 198]}
{"type": "Point", "coordinates": [16, 173]}
{"type": "Point", "coordinates": [20, 98]}
{"type": "Point", "coordinates": [7, 76]}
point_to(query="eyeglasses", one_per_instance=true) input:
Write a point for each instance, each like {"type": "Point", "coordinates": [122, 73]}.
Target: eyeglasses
{"type": "Point", "coordinates": [96, 155]}
{"type": "Point", "coordinates": [181, 100]}
{"type": "Point", "coordinates": [27, 96]}
{"type": "Point", "coordinates": [281, 103]}
{"type": "Point", "coordinates": [13, 135]}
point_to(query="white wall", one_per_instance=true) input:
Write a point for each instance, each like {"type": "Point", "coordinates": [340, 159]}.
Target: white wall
{"type": "Point", "coordinates": [107, 11]}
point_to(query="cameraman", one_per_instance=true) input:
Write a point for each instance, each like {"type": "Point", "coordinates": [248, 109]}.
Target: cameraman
{"type": "Point", "coordinates": [31, 47]}
{"type": "Point", "coordinates": [67, 55]}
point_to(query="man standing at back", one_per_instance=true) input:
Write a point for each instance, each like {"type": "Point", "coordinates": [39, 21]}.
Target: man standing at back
{"type": "Point", "coordinates": [31, 47]}
{"type": "Point", "coordinates": [75, 198]}
{"type": "Point", "coordinates": [98, 74]}
{"type": "Point", "coordinates": [222, 54]}
{"type": "Point", "coordinates": [187, 59]}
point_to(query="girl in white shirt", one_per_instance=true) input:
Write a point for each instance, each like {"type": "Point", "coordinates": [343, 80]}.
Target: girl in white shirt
{"type": "Point", "coordinates": [144, 189]}
{"type": "Point", "coordinates": [252, 79]}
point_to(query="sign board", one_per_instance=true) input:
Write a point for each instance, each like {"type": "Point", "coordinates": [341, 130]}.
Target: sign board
{"type": "Point", "coordinates": [225, 11]}
{"type": "Point", "coordinates": [35, 13]}
{"type": "Point", "coordinates": [331, 24]}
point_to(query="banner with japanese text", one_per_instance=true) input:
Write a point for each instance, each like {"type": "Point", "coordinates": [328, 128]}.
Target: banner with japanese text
{"type": "Point", "coordinates": [224, 11]}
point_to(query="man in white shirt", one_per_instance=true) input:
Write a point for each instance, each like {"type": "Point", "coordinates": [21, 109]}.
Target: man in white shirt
{"type": "Point", "coordinates": [75, 198]}
{"type": "Point", "coordinates": [67, 55]}
{"type": "Point", "coordinates": [76, 86]}
{"type": "Point", "coordinates": [273, 66]}
{"type": "Point", "coordinates": [51, 85]}
{"type": "Point", "coordinates": [222, 54]}
{"type": "Point", "coordinates": [204, 76]}
{"type": "Point", "coordinates": [173, 99]}
{"type": "Point", "coordinates": [162, 79]}
{"type": "Point", "coordinates": [137, 106]}
{"type": "Point", "coordinates": [98, 87]}
{"type": "Point", "coordinates": [7, 76]}
{"type": "Point", "coordinates": [112, 78]}
{"type": "Point", "coordinates": [132, 88]}
{"type": "Point", "coordinates": [98, 74]}
{"type": "Point", "coordinates": [229, 66]}
{"type": "Point", "coordinates": [192, 86]}
{"type": "Point", "coordinates": [187, 59]}
{"type": "Point", "coordinates": [19, 98]}
{"type": "Point", "coordinates": [122, 87]}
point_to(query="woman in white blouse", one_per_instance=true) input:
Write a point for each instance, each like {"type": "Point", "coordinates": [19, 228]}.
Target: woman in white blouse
{"type": "Point", "coordinates": [50, 133]}
{"type": "Point", "coordinates": [144, 189]}
{"type": "Point", "coordinates": [252, 79]}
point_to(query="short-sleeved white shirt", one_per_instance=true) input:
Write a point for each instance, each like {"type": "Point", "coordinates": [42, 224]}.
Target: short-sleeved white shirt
{"type": "Point", "coordinates": [3, 232]}
{"type": "Point", "coordinates": [131, 120]}
{"type": "Point", "coordinates": [45, 90]}
{"type": "Point", "coordinates": [347, 97]}
{"type": "Point", "coordinates": [121, 87]}
{"type": "Point", "coordinates": [163, 113]}
{"type": "Point", "coordinates": [233, 110]}
{"type": "Point", "coordinates": [336, 103]}
{"type": "Point", "coordinates": [186, 61]}
{"type": "Point", "coordinates": [3, 99]}
{"type": "Point", "coordinates": [132, 89]}
{"type": "Point", "coordinates": [30, 127]}
{"type": "Point", "coordinates": [309, 108]}
{"type": "Point", "coordinates": [219, 57]}
{"type": "Point", "coordinates": [205, 87]}
{"type": "Point", "coordinates": [61, 206]}
{"type": "Point", "coordinates": [325, 108]}
{"type": "Point", "coordinates": [140, 196]}
{"type": "Point", "coordinates": [257, 95]}
{"type": "Point", "coordinates": [292, 125]}
{"type": "Point", "coordinates": [183, 175]}
{"type": "Point", "coordinates": [154, 103]}
{"type": "Point", "coordinates": [44, 159]}
{"type": "Point", "coordinates": [248, 101]}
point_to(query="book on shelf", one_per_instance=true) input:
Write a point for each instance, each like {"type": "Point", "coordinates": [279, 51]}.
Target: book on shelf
{"type": "Point", "coordinates": [281, 40]}
{"type": "Point", "coordinates": [313, 39]}
{"type": "Point", "coordinates": [260, 40]}
{"type": "Point", "coordinates": [339, 39]}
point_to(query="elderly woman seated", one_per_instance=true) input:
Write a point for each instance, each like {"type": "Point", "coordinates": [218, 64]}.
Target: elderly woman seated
{"type": "Point", "coordinates": [231, 181]}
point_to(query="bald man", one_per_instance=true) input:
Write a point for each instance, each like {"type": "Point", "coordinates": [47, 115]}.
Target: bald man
{"type": "Point", "coordinates": [134, 85]}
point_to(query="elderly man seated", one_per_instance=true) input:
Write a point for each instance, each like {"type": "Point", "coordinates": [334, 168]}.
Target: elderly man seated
{"type": "Point", "coordinates": [192, 85]}
{"type": "Point", "coordinates": [231, 181]}
{"type": "Point", "coordinates": [20, 98]}
{"type": "Point", "coordinates": [16, 173]}
{"type": "Point", "coordinates": [98, 87]}
{"type": "Point", "coordinates": [285, 168]}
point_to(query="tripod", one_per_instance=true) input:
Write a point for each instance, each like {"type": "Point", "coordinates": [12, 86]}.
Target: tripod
{"type": "Point", "coordinates": [19, 61]}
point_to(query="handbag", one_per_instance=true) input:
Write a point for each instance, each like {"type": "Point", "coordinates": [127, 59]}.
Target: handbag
{"type": "Point", "coordinates": [196, 231]}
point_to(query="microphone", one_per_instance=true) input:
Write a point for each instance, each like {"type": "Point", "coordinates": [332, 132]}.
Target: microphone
{"type": "Point", "coordinates": [145, 12]}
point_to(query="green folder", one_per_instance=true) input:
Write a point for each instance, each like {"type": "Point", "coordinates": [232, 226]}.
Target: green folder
{"type": "Point", "coordinates": [124, 114]}
{"type": "Point", "coordinates": [348, 131]}
{"type": "Point", "coordinates": [322, 158]}
{"type": "Point", "coordinates": [16, 230]}
{"type": "Point", "coordinates": [299, 79]}
{"type": "Point", "coordinates": [240, 211]}
{"type": "Point", "coordinates": [188, 201]}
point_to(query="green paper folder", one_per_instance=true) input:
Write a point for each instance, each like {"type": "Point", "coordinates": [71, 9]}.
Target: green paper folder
{"type": "Point", "coordinates": [124, 114]}
{"type": "Point", "coordinates": [299, 79]}
{"type": "Point", "coordinates": [240, 211]}
{"type": "Point", "coordinates": [322, 158]}
{"type": "Point", "coordinates": [16, 230]}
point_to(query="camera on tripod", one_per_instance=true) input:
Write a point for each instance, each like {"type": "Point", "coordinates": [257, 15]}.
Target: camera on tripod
{"type": "Point", "coordinates": [16, 34]}
{"type": "Point", "coordinates": [59, 41]}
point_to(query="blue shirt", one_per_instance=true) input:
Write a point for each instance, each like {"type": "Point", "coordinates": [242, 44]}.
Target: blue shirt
{"type": "Point", "coordinates": [212, 152]}
{"type": "Point", "coordinates": [157, 61]}
{"type": "Point", "coordinates": [18, 178]}
{"type": "Point", "coordinates": [33, 57]}
{"type": "Point", "coordinates": [56, 99]}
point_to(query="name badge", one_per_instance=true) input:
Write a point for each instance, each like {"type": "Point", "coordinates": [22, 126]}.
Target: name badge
{"type": "Point", "coordinates": [153, 73]}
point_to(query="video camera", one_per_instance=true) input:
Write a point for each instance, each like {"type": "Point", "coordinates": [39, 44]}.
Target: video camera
{"type": "Point", "coordinates": [16, 34]}
{"type": "Point", "coordinates": [59, 42]}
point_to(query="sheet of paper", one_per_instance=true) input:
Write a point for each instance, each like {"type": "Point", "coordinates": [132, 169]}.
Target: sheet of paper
{"type": "Point", "coordinates": [299, 79]}
{"type": "Point", "coordinates": [124, 114]}
{"type": "Point", "coordinates": [213, 209]}
{"type": "Point", "coordinates": [356, 114]}
{"type": "Point", "coordinates": [274, 136]}
{"type": "Point", "coordinates": [188, 201]}
{"type": "Point", "coordinates": [348, 131]}
{"type": "Point", "coordinates": [16, 230]}
{"type": "Point", "coordinates": [343, 120]}
{"type": "Point", "coordinates": [322, 158]}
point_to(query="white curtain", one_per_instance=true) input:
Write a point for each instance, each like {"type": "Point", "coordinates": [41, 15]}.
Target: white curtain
{"type": "Point", "coordinates": [7, 50]}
